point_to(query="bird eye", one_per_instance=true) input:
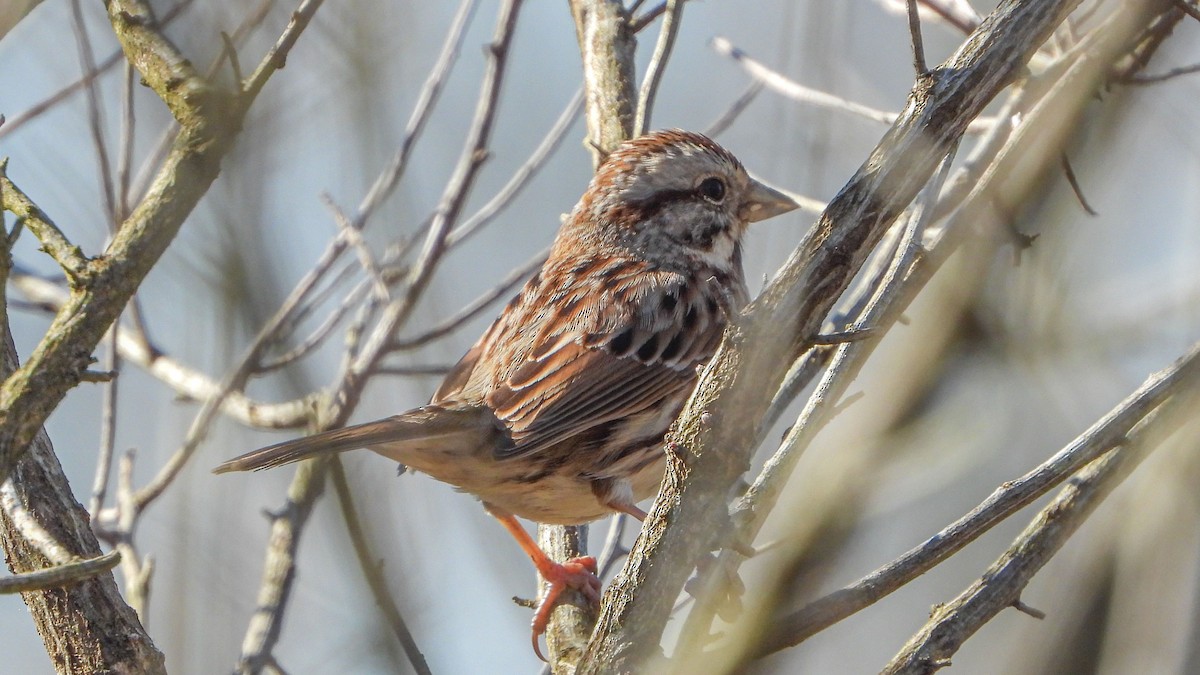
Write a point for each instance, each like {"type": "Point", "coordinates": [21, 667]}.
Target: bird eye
{"type": "Point", "coordinates": [712, 189]}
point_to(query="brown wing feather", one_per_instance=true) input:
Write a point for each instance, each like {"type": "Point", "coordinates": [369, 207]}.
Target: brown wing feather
{"type": "Point", "coordinates": [564, 403]}
{"type": "Point", "coordinates": [569, 355]}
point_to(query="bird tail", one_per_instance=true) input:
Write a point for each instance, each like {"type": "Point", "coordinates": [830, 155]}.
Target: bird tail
{"type": "Point", "coordinates": [425, 427]}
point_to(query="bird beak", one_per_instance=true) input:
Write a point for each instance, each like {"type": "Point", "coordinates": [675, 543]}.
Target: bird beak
{"type": "Point", "coordinates": [764, 202]}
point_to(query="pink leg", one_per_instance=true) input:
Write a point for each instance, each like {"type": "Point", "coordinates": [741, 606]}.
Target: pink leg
{"type": "Point", "coordinates": [577, 573]}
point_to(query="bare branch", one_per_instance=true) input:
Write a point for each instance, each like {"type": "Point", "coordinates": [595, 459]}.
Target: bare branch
{"type": "Point", "coordinates": [607, 45]}
{"type": "Point", "coordinates": [68, 256]}
{"type": "Point", "coordinates": [735, 109]}
{"type": "Point", "coordinates": [430, 92]}
{"type": "Point", "coordinates": [279, 568]}
{"type": "Point", "coordinates": [276, 57]}
{"type": "Point", "coordinates": [737, 387]}
{"type": "Point", "coordinates": [497, 292]}
{"type": "Point", "coordinates": [371, 570]}
{"type": "Point", "coordinates": [21, 119]}
{"type": "Point", "coordinates": [59, 575]}
{"type": "Point", "coordinates": [520, 178]}
{"type": "Point", "coordinates": [658, 64]}
{"type": "Point", "coordinates": [95, 115]}
{"type": "Point", "coordinates": [185, 381]}
{"type": "Point", "coordinates": [1014, 495]}
{"type": "Point", "coordinates": [800, 93]}
{"type": "Point", "coordinates": [918, 43]}
{"type": "Point", "coordinates": [1000, 586]}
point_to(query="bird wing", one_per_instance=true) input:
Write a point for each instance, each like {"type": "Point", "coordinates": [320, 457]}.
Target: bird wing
{"type": "Point", "coordinates": [635, 348]}
{"type": "Point", "coordinates": [581, 388]}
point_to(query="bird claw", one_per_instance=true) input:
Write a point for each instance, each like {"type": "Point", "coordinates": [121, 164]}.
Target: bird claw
{"type": "Point", "coordinates": [578, 574]}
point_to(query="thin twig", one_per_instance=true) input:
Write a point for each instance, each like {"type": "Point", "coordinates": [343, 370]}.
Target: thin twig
{"type": "Point", "coordinates": [59, 575]}
{"type": "Point", "coordinates": [735, 109]}
{"type": "Point", "coordinates": [521, 177]}
{"type": "Point", "coordinates": [317, 337]}
{"type": "Point", "coordinates": [36, 110]}
{"type": "Point", "coordinates": [279, 568]}
{"type": "Point", "coordinates": [453, 198]}
{"type": "Point", "coordinates": [68, 256]}
{"type": "Point", "coordinates": [354, 236]}
{"type": "Point", "coordinates": [430, 93]}
{"type": "Point", "coordinates": [798, 92]}
{"type": "Point", "coordinates": [372, 570]}
{"type": "Point", "coordinates": [1188, 8]}
{"type": "Point", "coordinates": [277, 55]}
{"type": "Point", "coordinates": [657, 66]}
{"type": "Point", "coordinates": [497, 292]}
{"type": "Point", "coordinates": [87, 59]}
{"type": "Point", "coordinates": [918, 44]}
{"type": "Point", "coordinates": [1004, 501]}
{"type": "Point", "coordinates": [613, 550]}
{"type": "Point", "coordinates": [1171, 74]}
{"type": "Point", "coordinates": [191, 384]}
{"type": "Point", "coordinates": [1001, 585]}
{"type": "Point", "coordinates": [1073, 181]}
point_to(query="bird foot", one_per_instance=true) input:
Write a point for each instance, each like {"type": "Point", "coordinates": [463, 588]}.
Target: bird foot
{"type": "Point", "coordinates": [578, 574]}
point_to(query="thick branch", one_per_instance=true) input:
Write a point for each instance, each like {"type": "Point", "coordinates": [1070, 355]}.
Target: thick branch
{"type": "Point", "coordinates": [607, 44]}
{"type": "Point", "coordinates": [209, 122]}
{"type": "Point", "coordinates": [710, 448]}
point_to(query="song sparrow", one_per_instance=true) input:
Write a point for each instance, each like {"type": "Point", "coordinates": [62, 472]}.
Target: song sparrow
{"type": "Point", "coordinates": [558, 412]}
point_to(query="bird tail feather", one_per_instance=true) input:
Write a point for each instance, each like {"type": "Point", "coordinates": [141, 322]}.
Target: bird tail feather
{"type": "Point", "coordinates": [416, 429]}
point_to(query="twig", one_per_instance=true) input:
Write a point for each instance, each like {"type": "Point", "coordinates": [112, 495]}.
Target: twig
{"type": "Point", "coordinates": [737, 386]}
{"type": "Point", "coordinates": [658, 65]}
{"type": "Point", "coordinates": [1074, 183]}
{"type": "Point", "coordinates": [1190, 9]}
{"type": "Point", "coordinates": [276, 57]}
{"type": "Point", "coordinates": [87, 59]}
{"type": "Point", "coordinates": [68, 256]}
{"type": "Point", "coordinates": [1163, 77]}
{"type": "Point", "coordinates": [36, 110]}
{"type": "Point", "coordinates": [497, 292]}
{"type": "Point", "coordinates": [957, 13]}
{"type": "Point", "coordinates": [354, 237]}
{"type": "Point", "coordinates": [613, 550]}
{"type": "Point", "coordinates": [108, 428]}
{"type": "Point", "coordinates": [735, 109]}
{"type": "Point", "coordinates": [918, 44]}
{"type": "Point", "coordinates": [1001, 585]}
{"type": "Point", "coordinates": [59, 575]}
{"type": "Point", "coordinates": [430, 92]}
{"type": "Point", "coordinates": [317, 337]}
{"type": "Point", "coordinates": [371, 570]}
{"type": "Point", "coordinates": [186, 382]}
{"type": "Point", "coordinates": [798, 92]}
{"type": "Point", "coordinates": [453, 198]}
{"type": "Point", "coordinates": [1006, 500]}
{"type": "Point", "coordinates": [636, 25]}
{"type": "Point", "coordinates": [520, 178]}
{"type": "Point", "coordinates": [279, 568]}
{"type": "Point", "coordinates": [407, 371]}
